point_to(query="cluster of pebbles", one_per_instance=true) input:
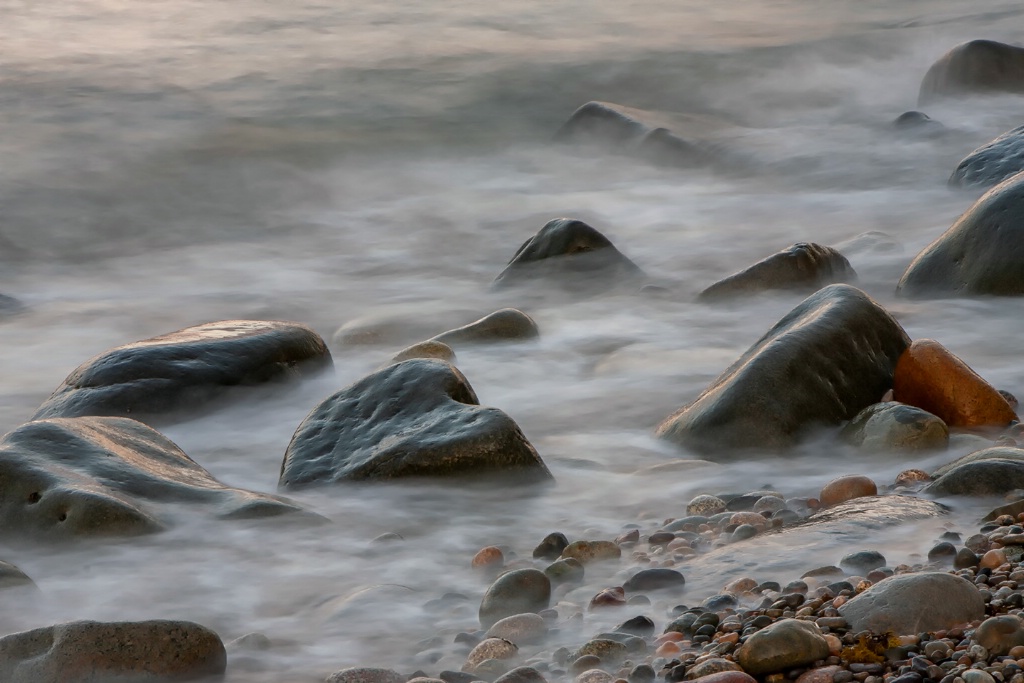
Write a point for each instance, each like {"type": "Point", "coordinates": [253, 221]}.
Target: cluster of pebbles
{"type": "Point", "coordinates": [753, 629]}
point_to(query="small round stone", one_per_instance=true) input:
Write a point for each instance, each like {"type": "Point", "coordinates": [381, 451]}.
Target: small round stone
{"type": "Point", "coordinates": [491, 648]}
{"type": "Point", "coordinates": [771, 504]}
{"type": "Point", "coordinates": [863, 561]}
{"type": "Point", "coordinates": [847, 488]}
{"type": "Point", "coordinates": [585, 552]}
{"type": "Point", "coordinates": [521, 629]}
{"type": "Point", "coordinates": [705, 505]}
{"type": "Point", "coordinates": [490, 557]}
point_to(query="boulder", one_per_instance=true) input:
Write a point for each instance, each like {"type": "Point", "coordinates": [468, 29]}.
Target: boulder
{"type": "Point", "coordinates": [426, 349]}
{"type": "Point", "coordinates": [786, 644]}
{"type": "Point", "coordinates": [1000, 634]}
{"type": "Point", "coordinates": [828, 359]}
{"type": "Point", "coordinates": [89, 652]}
{"type": "Point", "coordinates": [574, 256]}
{"type": "Point", "coordinates": [929, 377]}
{"type": "Point", "coordinates": [989, 472]}
{"type": "Point", "coordinates": [977, 66]}
{"type": "Point", "coordinates": [107, 476]}
{"type": "Point", "coordinates": [506, 325]}
{"type": "Point", "coordinates": [908, 604]}
{"type": "Point", "coordinates": [992, 163]}
{"type": "Point", "coordinates": [182, 372]}
{"type": "Point", "coordinates": [917, 122]}
{"type": "Point", "coordinates": [417, 418]}
{"type": "Point", "coordinates": [515, 592]}
{"type": "Point", "coordinates": [981, 254]}
{"type": "Point", "coordinates": [896, 426]}
{"type": "Point", "coordinates": [803, 267]}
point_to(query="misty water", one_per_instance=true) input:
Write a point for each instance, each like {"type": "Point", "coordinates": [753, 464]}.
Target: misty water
{"type": "Point", "coordinates": [170, 162]}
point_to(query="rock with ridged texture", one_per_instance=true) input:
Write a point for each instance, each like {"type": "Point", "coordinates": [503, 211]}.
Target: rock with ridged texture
{"type": "Point", "coordinates": [930, 377]}
{"type": "Point", "coordinates": [417, 418]}
{"type": "Point", "coordinates": [506, 325]}
{"type": "Point", "coordinates": [977, 66]}
{"type": "Point", "coordinates": [992, 163]}
{"type": "Point", "coordinates": [95, 652]}
{"type": "Point", "coordinates": [802, 267]}
{"type": "Point", "coordinates": [828, 359]}
{"type": "Point", "coordinates": [908, 604]}
{"type": "Point", "coordinates": [571, 255]}
{"type": "Point", "coordinates": [982, 253]}
{"type": "Point", "coordinates": [107, 476]}
{"type": "Point", "coordinates": [179, 373]}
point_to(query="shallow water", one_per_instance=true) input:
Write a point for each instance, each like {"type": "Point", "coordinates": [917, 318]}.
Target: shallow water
{"type": "Point", "coordinates": [172, 162]}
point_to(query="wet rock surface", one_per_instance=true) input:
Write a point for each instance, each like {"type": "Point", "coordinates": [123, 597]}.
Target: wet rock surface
{"type": "Point", "coordinates": [571, 255]}
{"type": "Point", "coordinates": [94, 652]}
{"type": "Point", "coordinates": [896, 426]}
{"type": "Point", "coordinates": [992, 163]}
{"type": "Point", "coordinates": [913, 603]}
{"type": "Point", "coordinates": [418, 418]}
{"type": "Point", "coordinates": [180, 372]}
{"type": "Point", "coordinates": [982, 253]}
{"type": "Point", "coordinates": [106, 476]}
{"type": "Point", "coordinates": [989, 472]}
{"type": "Point", "coordinates": [835, 352]}
{"type": "Point", "coordinates": [975, 67]}
{"type": "Point", "coordinates": [802, 267]}
{"type": "Point", "coordinates": [506, 325]}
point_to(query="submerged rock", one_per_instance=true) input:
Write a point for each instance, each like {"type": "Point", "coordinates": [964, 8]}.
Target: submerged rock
{"type": "Point", "coordinates": [362, 674]}
{"type": "Point", "coordinates": [417, 418]}
{"type": "Point", "coordinates": [90, 651]}
{"type": "Point", "coordinates": [426, 349]}
{"type": "Point", "coordinates": [848, 487]}
{"type": "Point", "coordinates": [405, 324]}
{"type": "Point", "coordinates": [802, 267]}
{"type": "Point", "coordinates": [982, 253]}
{"type": "Point", "coordinates": [918, 122]}
{"type": "Point", "coordinates": [977, 66]}
{"type": "Point", "coordinates": [825, 361]}
{"type": "Point", "coordinates": [908, 604]}
{"type": "Point", "coordinates": [988, 472]}
{"type": "Point", "coordinates": [571, 254]}
{"type": "Point", "coordinates": [185, 370]}
{"type": "Point", "coordinates": [107, 476]}
{"type": "Point", "coordinates": [515, 592]}
{"type": "Point", "coordinates": [506, 325]}
{"type": "Point", "coordinates": [12, 577]}
{"type": "Point", "coordinates": [993, 162]}
{"type": "Point", "coordinates": [929, 377]}
{"type": "Point", "coordinates": [896, 426]}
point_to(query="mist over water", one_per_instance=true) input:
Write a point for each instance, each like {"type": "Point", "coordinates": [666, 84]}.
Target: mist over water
{"type": "Point", "coordinates": [170, 162]}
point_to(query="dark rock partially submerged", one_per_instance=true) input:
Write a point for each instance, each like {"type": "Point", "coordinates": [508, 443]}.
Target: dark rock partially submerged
{"type": "Point", "coordinates": [802, 267]}
{"type": "Point", "coordinates": [95, 652]}
{"type": "Point", "coordinates": [185, 370]}
{"type": "Point", "coordinates": [829, 358]}
{"type": "Point", "coordinates": [988, 472]}
{"type": "Point", "coordinates": [977, 66]}
{"type": "Point", "coordinates": [506, 325]}
{"type": "Point", "coordinates": [417, 418]}
{"type": "Point", "coordinates": [982, 253]}
{"type": "Point", "coordinates": [105, 476]}
{"type": "Point", "coordinates": [571, 254]}
{"type": "Point", "coordinates": [993, 162]}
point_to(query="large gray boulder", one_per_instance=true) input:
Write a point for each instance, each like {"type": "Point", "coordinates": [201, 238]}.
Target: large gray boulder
{"type": "Point", "coordinates": [94, 652]}
{"type": "Point", "coordinates": [803, 267]}
{"type": "Point", "coordinates": [107, 476]}
{"type": "Point", "coordinates": [977, 66]}
{"type": "Point", "coordinates": [417, 418]}
{"type": "Point", "coordinates": [181, 372]}
{"type": "Point", "coordinates": [992, 163]}
{"type": "Point", "coordinates": [572, 255]}
{"type": "Point", "coordinates": [825, 361]}
{"type": "Point", "coordinates": [908, 604]}
{"type": "Point", "coordinates": [988, 472]}
{"type": "Point", "coordinates": [981, 254]}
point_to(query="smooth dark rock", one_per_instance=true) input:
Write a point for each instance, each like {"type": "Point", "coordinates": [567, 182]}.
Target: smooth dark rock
{"type": "Point", "coordinates": [977, 66]}
{"type": "Point", "coordinates": [992, 163]}
{"type": "Point", "coordinates": [91, 652]}
{"type": "Point", "coordinates": [803, 267]}
{"type": "Point", "coordinates": [568, 570]}
{"type": "Point", "coordinates": [12, 577]}
{"type": "Point", "coordinates": [417, 418]}
{"type": "Point", "coordinates": [551, 547]}
{"type": "Point", "coordinates": [917, 121]}
{"type": "Point", "coordinates": [107, 476]}
{"type": "Point", "coordinates": [572, 255]}
{"type": "Point", "coordinates": [896, 426]}
{"type": "Point", "coordinates": [506, 325]}
{"type": "Point", "coordinates": [981, 254]}
{"type": "Point", "coordinates": [515, 592]}
{"type": "Point", "coordinates": [942, 552]}
{"type": "Point", "coordinates": [521, 674]}
{"type": "Point", "coordinates": [179, 373]}
{"type": "Point", "coordinates": [655, 578]}
{"type": "Point", "coordinates": [863, 561]}
{"type": "Point", "coordinates": [992, 471]}
{"type": "Point", "coordinates": [829, 358]}
{"type": "Point", "coordinates": [637, 626]}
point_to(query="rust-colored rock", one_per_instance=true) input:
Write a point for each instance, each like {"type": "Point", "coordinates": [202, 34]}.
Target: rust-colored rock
{"type": "Point", "coordinates": [847, 488]}
{"type": "Point", "coordinates": [609, 597]}
{"type": "Point", "coordinates": [930, 377]}
{"type": "Point", "coordinates": [993, 559]}
{"type": "Point", "coordinates": [87, 651]}
{"type": "Point", "coordinates": [726, 677]}
{"type": "Point", "coordinates": [821, 675]}
{"type": "Point", "coordinates": [490, 557]}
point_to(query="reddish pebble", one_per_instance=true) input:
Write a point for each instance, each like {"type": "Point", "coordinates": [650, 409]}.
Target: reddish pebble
{"type": "Point", "coordinates": [992, 559]}
{"type": "Point", "coordinates": [489, 557]}
{"type": "Point", "coordinates": [668, 649]}
{"type": "Point", "coordinates": [822, 675]}
{"type": "Point", "coordinates": [732, 638]}
{"type": "Point", "coordinates": [727, 677]}
{"type": "Point", "coordinates": [911, 477]}
{"type": "Point", "coordinates": [744, 585]}
{"type": "Point", "coordinates": [631, 536]}
{"type": "Point", "coordinates": [670, 637]}
{"type": "Point", "coordinates": [929, 377]}
{"type": "Point", "coordinates": [1017, 652]}
{"type": "Point", "coordinates": [847, 488]}
{"type": "Point", "coordinates": [609, 597]}
{"type": "Point", "coordinates": [839, 602]}
{"type": "Point", "coordinates": [835, 646]}
{"type": "Point", "coordinates": [754, 519]}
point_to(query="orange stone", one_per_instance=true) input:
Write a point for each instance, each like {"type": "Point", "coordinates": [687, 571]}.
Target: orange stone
{"type": "Point", "coordinates": [670, 637]}
{"type": "Point", "coordinates": [929, 377]}
{"type": "Point", "coordinates": [847, 488]}
{"type": "Point", "coordinates": [754, 519]}
{"type": "Point", "coordinates": [992, 559]}
{"type": "Point", "coordinates": [726, 677]}
{"type": "Point", "coordinates": [669, 649]}
{"type": "Point", "coordinates": [489, 557]}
